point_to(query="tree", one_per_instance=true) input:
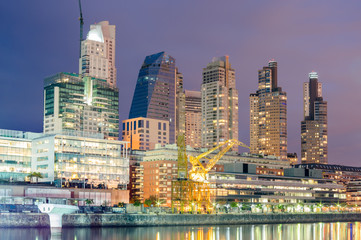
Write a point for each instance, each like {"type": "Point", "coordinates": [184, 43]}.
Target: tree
{"type": "Point", "coordinates": [89, 201]}
{"type": "Point", "coordinates": [234, 204]}
{"type": "Point", "coordinates": [137, 203]}
{"type": "Point", "coordinates": [281, 207]}
{"type": "Point", "coordinates": [35, 175]}
{"type": "Point", "coordinates": [150, 201]}
{"type": "Point", "coordinates": [259, 206]}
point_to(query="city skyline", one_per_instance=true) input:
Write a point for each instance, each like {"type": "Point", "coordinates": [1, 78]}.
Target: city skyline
{"type": "Point", "coordinates": [332, 38]}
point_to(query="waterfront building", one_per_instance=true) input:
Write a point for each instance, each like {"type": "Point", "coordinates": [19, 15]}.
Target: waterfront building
{"type": "Point", "coordinates": [219, 103]}
{"type": "Point", "coordinates": [145, 133]}
{"type": "Point", "coordinates": [155, 92]}
{"type": "Point", "coordinates": [98, 53]}
{"type": "Point", "coordinates": [76, 158]}
{"type": "Point", "coordinates": [76, 103]}
{"type": "Point", "coordinates": [314, 142]}
{"type": "Point", "coordinates": [15, 154]}
{"type": "Point", "coordinates": [27, 195]}
{"type": "Point", "coordinates": [340, 173]}
{"type": "Point", "coordinates": [236, 185]}
{"type": "Point", "coordinates": [354, 193]}
{"type": "Point", "coordinates": [268, 115]}
{"type": "Point", "coordinates": [193, 119]}
{"type": "Point", "coordinates": [292, 158]}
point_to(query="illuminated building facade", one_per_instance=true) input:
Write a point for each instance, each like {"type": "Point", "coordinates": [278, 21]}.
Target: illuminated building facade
{"type": "Point", "coordinates": [145, 133]}
{"type": "Point", "coordinates": [250, 188]}
{"type": "Point", "coordinates": [65, 159]}
{"type": "Point", "coordinates": [75, 103]}
{"type": "Point", "coordinates": [15, 154]}
{"type": "Point", "coordinates": [219, 103]}
{"type": "Point", "coordinates": [268, 115]}
{"type": "Point", "coordinates": [155, 92]}
{"type": "Point", "coordinates": [314, 142]}
{"type": "Point", "coordinates": [193, 118]}
{"type": "Point", "coordinates": [98, 53]}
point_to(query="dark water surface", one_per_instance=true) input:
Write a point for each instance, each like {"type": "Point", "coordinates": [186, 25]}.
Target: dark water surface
{"type": "Point", "coordinates": [337, 231]}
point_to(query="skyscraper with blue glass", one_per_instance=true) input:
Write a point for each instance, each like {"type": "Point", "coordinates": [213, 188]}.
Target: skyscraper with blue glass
{"type": "Point", "coordinates": [155, 93]}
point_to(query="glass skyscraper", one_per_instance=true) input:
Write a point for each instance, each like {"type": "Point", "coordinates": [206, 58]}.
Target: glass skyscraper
{"type": "Point", "coordinates": [86, 104]}
{"type": "Point", "coordinates": [155, 93]}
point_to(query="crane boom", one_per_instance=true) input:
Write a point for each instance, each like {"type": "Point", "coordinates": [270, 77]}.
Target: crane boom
{"type": "Point", "coordinates": [198, 172]}
{"type": "Point", "coordinates": [81, 27]}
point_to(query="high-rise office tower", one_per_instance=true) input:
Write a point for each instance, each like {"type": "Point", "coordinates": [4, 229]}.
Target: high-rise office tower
{"type": "Point", "coordinates": [314, 145]}
{"type": "Point", "coordinates": [180, 104]}
{"type": "Point", "coordinates": [268, 115]}
{"type": "Point", "coordinates": [98, 53]}
{"type": "Point", "coordinates": [155, 91]}
{"type": "Point", "coordinates": [193, 118]}
{"type": "Point", "coordinates": [73, 103]}
{"type": "Point", "coordinates": [219, 103]}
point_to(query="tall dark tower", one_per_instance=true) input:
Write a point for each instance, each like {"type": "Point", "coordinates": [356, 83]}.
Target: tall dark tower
{"type": "Point", "coordinates": [314, 142]}
{"type": "Point", "coordinates": [155, 93]}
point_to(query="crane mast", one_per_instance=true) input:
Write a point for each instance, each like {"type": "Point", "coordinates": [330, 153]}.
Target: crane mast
{"type": "Point", "coordinates": [81, 27]}
{"type": "Point", "coordinates": [193, 191]}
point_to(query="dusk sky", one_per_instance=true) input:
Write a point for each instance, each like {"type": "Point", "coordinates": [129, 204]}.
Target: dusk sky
{"type": "Point", "coordinates": [40, 38]}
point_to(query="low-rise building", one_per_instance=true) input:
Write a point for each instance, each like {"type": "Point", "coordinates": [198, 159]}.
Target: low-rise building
{"type": "Point", "coordinates": [292, 158]}
{"type": "Point", "coordinates": [340, 173]}
{"type": "Point", "coordinates": [92, 161]}
{"type": "Point", "coordinates": [236, 184]}
{"type": "Point", "coordinates": [15, 154]}
{"type": "Point", "coordinates": [354, 193]}
{"type": "Point", "coordinates": [145, 133]}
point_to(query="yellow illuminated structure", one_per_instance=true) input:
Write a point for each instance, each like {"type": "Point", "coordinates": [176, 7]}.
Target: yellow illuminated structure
{"type": "Point", "coordinates": [194, 192]}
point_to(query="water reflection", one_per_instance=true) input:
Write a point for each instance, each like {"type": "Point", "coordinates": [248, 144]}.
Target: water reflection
{"type": "Point", "coordinates": [337, 231]}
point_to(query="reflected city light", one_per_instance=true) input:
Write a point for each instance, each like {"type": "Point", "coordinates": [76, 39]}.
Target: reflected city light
{"type": "Point", "coordinates": [315, 231]}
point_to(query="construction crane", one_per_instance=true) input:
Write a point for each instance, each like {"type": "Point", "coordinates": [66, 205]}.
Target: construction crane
{"type": "Point", "coordinates": [199, 172]}
{"type": "Point", "coordinates": [81, 27]}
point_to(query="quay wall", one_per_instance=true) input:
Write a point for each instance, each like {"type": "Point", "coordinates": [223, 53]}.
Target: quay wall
{"type": "Point", "coordinates": [127, 220]}
{"type": "Point", "coordinates": [24, 220]}
{"type": "Point", "coordinates": [38, 220]}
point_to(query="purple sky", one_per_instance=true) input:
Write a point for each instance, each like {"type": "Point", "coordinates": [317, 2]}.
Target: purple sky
{"type": "Point", "coordinates": [40, 38]}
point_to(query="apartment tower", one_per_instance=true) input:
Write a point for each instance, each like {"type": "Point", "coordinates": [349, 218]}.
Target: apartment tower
{"type": "Point", "coordinates": [193, 118]}
{"type": "Point", "coordinates": [98, 53]}
{"type": "Point", "coordinates": [314, 147]}
{"type": "Point", "coordinates": [268, 115]}
{"type": "Point", "coordinates": [219, 103]}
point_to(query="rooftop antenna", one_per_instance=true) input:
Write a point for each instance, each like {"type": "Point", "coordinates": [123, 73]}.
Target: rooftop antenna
{"type": "Point", "coordinates": [81, 28]}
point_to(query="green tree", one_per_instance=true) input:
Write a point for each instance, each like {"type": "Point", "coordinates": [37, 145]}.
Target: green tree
{"type": "Point", "coordinates": [150, 201]}
{"type": "Point", "coordinates": [137, 203]}
{"type": "Point", "coordinates": [234, 204]}
{"type": "Point", "coordinates": [89, 201]}
{"type": "Point", "coordinates": [35, 175]}
{"type": "Point", "coordinates": [281, 207]}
